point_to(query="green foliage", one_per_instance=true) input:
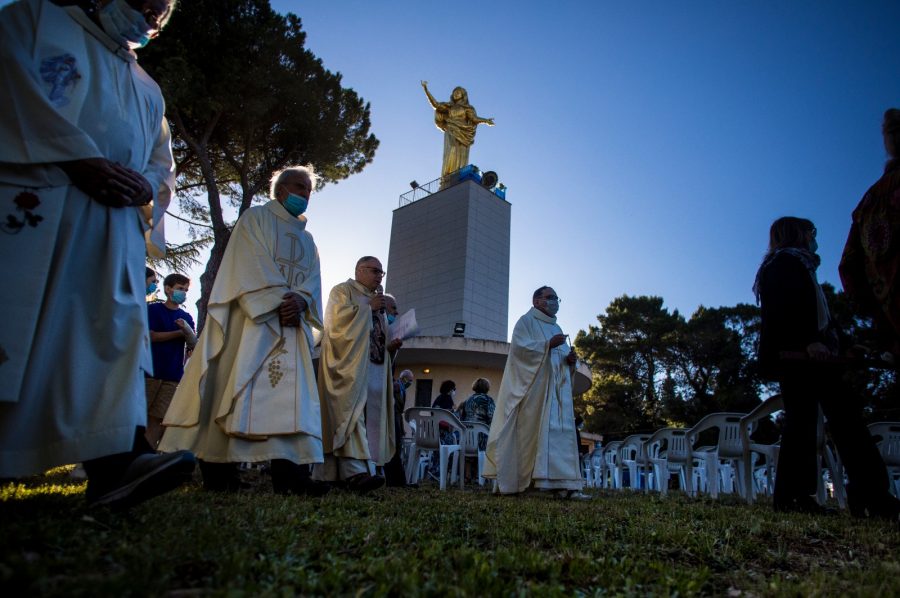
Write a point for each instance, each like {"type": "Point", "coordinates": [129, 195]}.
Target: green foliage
{"type": "Point", "coordinates": [652, 368]}
{"type": "Point", "coordinates": [427, 542]}
{"type": "Point", "coordinates": [245, 98]}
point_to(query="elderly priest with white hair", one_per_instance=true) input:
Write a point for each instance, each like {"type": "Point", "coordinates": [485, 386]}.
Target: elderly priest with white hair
{"type": "Point", "coordinates": [249, 391]}
{"type": "Point", "coordinates": [532, 442]}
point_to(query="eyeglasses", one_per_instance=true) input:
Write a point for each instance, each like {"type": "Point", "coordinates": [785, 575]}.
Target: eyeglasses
{"type": "Point", "coordinates": [375, 271]}
{"type": "Point", "coordinates": [553, 298]}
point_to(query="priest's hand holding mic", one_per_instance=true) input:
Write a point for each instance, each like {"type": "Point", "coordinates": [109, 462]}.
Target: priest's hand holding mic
{"type": "Point", "coordinates": [377, 303]}
{"type": "Point", "coordinates": [291, 309]}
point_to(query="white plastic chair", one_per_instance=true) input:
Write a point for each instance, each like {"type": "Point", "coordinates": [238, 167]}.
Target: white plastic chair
{"type": "Point", "coordinates": [830, 460]}
{"type": "Point", "coordinates": [596, 460]}
{"type": "Point", "coordinates": [428, 438]}
{"type": "Point", "coordinates": [610, 456]}
{"type": "Point", "coordinates": [887, 437]}
{"type": "Point", "coordinates": [668, 452]}
{"type": "Point", "coordinates": [761, 479]}
{"type": "Point", "coordinates": [586, 471]}
{"type": "Point", "coordinates": [632, 456]}
{"type": "Point", "coordinates": [728, 448]}
{"type": "Point", "coordinates": [474, 431]}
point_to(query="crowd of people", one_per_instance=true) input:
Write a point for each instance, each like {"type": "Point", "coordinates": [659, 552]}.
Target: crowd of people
{"type": "Point", "coordinates": [92, 373]}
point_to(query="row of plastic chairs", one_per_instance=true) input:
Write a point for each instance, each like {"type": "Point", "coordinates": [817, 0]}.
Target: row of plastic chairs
{"type": "Point", "coordinates": [425, 422]}
{"type": "Point", "coordinates": [735, 463]}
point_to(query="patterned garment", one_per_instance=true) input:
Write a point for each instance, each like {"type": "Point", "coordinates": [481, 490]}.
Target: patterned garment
{"type": "Point", "coordinates": [376, 339]}
{"type": "Point", "coordinates": [478, 408]}
{"type": "Point", "coordinates": [870, 266]}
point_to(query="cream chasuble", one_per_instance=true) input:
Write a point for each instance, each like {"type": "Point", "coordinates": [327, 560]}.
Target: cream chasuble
{"type": "Point", "coordinates": [74, 340]}
{"type": "Point", "coordinates": [532, 439]}
{"type": "Point", "coordinates": [357, 395]}
{"type": "Point", "coordinates": [249, 390]}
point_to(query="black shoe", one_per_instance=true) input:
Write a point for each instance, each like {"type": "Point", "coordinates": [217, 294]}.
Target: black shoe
{"type": "Point", "coordinates": [804, 504]}
{"type": "Point", "coordinates": [291, 478]}
{"type": "Point", "coordinates": [886, 507]}
{"type": "Point", "coordinates": [363, 483]}
{"type": "Point", "coordinates": [222, 477]}
{"type": "Point", "coordinates": [300, 486]}
{"type": "Point", "coordinates": [149, 475]}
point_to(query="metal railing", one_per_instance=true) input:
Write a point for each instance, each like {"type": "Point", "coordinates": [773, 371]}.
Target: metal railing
{"type": "Point", "coordinates": [466, 173]}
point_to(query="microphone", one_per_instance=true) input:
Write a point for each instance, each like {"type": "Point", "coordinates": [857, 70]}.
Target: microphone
{"type": "Point", "coordinates": [379, 290]}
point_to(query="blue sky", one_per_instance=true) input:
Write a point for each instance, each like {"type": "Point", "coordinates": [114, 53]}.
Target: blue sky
{"type": "Point", "coordinates": [647, 146]}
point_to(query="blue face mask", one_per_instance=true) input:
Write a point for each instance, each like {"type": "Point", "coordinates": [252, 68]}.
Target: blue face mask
{"type": "Point", "coordinates": [813, 246]}
{"type": "Point", "coordinates": [179, 297]}
{"type": "Point", "coordinates": [151, 288]}
{"type": "Point", "coordinates": [295, 204]}
{"type": "Point", "coordinates": [391, 318]}
{"type": "Point", "coordinates": [552, 306]}
{"type": "Point", "coordinates": [125, 25]}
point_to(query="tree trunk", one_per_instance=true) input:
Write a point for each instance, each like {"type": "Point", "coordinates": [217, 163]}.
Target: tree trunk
{"type": "Point", "coordinates": [209, 275]}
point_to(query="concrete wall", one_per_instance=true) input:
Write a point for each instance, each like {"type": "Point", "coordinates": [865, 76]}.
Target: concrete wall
{"type": "Point", "coordinates": [449, 259]}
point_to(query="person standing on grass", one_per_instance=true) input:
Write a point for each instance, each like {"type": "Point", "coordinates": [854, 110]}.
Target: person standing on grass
{"type": "Point", "coordinates": [171, 332]}
{"type": "Point", "coordinates": [531, 444]}
{"type": "Point", "coordinates": [795, 319]}
{"type": "Point", "coordinates": [86, 173]}
{"type": "Point", "coordinates": [355, 381]}
{"type": "Point", "coordinates": [249, 391]}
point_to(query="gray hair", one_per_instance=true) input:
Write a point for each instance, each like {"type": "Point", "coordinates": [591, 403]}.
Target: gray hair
{"type": "Point", "coordinates": [366, 258]}
{"type": "Point", "coordinates": [279, 177]}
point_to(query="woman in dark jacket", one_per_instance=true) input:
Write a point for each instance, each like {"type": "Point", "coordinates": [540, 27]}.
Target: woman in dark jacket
{"type": "Point", "coordinates": [795, 320]}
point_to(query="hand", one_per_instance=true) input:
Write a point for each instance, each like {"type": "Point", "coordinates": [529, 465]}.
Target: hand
{"type": "Point", "coordinates": [377, 302]}
{"type": "Point", "coordinates": [572, 358]}
{"type": "Point", "coordinates": [556, 340]}
{"type": "Point", "coordinates": [818, 351]}
{"type": "Point", "coordinates": [108, 183]}
{"type": "Point", "coordinates": [394, 345]}
{"type": "Point", "coordinates": [291, 308]}
{"type": "Point", "coordinates": [185, 327]}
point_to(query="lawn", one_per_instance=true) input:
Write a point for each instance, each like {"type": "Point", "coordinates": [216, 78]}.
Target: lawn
{"type": "Point", "coordinates": [427, 542]}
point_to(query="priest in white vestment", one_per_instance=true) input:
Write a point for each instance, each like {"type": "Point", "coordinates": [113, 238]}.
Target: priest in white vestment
{"type": "Point", "coordinates": [86, 172]}
{"type": "Point", "coordinates": [355, 381]}
{"type": "Point", "coordinates": [249, 390]}
{"type": "Point", "coordinates": [532, 442]}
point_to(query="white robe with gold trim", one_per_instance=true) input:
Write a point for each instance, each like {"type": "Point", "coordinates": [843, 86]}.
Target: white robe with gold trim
{"type": "Point", "coordinates": [532, 441]}
{"type": "Point", "coordinates": [357, 396]}
{"type": "Point", "coordinates": [249, 390]}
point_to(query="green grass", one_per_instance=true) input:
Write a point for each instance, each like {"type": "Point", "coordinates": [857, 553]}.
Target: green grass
{"type": "Point", "coordinates": [427, 542]}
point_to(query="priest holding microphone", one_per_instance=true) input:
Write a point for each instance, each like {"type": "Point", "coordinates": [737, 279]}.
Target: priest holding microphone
{"type": "Point", "coordinates": [355, 384]}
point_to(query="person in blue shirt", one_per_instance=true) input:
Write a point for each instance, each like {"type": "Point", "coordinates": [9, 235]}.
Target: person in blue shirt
{"type": "Point", "coordinates": [171, 332]}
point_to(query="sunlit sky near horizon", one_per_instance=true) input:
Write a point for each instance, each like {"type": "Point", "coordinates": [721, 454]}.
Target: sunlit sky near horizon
{"type": "Point", "coordinates": [647, 146]}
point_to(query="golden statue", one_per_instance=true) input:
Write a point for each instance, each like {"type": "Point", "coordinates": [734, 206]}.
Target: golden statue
{"type": "Point", "coordinates": [457, 119]}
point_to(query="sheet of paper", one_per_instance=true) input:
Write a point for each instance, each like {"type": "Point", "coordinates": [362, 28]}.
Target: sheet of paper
{"type": "Point", "coordinates": [404, 327]}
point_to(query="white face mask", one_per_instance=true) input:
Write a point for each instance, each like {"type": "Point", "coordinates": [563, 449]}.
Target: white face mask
{"type": "Point", "coordinates": [125, 25]}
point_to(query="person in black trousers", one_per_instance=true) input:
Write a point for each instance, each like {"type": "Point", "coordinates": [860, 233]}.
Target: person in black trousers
{"type": "Point", "coordinates": [795, 319]}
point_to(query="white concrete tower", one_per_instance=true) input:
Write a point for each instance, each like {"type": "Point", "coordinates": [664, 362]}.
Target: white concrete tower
{"type": "Point", "coordinates": [449, 259]}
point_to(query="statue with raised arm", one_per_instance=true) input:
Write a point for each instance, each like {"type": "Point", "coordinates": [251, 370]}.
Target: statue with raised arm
{"type": "Point", "coordinates": [457, 119]}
